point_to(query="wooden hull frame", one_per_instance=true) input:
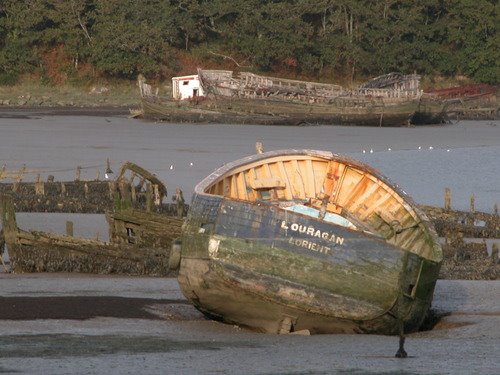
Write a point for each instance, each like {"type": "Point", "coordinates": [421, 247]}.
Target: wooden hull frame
{"type": "Point", "coordinates": [260, 265]}
{"type": "Point", "coordinates": [267, 112]}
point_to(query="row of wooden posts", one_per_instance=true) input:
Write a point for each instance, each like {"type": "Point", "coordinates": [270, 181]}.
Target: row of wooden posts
{"type": "Point", "coordinates": [472, 206]}
{"type": "Point", "coordinates": [19, 175]}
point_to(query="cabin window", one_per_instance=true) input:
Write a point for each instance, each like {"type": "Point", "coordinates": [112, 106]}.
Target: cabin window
{"type": "Point", "coordinates": [185, 83]}
{"type": "Point", "coordinates": [195, 92]}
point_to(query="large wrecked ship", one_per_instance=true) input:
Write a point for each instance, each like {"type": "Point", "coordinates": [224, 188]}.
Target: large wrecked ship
{"type": "Point", "coordinates": [297, 240]}
{"type": "Point", "coordinates": [221, 96]}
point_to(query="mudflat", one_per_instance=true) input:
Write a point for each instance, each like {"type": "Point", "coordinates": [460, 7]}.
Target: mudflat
{"type": "Point", "coordinates": [71, 323]}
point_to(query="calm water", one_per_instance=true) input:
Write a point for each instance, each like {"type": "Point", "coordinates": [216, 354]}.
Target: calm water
{"type": "Point", "coordinates": [422, 160]}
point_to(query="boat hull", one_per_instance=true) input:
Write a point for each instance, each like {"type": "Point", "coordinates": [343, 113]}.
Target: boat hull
{"type": "Point", "coordinates": [274, 270]}
{"type": "Point", "coordinates": [269, 112]}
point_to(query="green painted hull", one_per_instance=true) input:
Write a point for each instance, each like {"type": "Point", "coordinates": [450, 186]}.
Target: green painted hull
{"type": "Point", "coordinates": [256, 279]}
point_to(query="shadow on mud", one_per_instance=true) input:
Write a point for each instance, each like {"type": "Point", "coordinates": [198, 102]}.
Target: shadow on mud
{"type": "Point", "coordinates": [81, 308]}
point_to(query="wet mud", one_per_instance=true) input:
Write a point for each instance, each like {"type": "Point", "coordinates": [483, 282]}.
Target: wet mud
{"type": "Point", "coordinates": [81, 307]}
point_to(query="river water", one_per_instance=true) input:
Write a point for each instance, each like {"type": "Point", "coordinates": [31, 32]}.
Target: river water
{"type": "Point", "coordinates": [422, 160]}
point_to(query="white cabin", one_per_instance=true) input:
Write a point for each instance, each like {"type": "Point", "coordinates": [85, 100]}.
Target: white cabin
{"type": "Point", "coordinates": [186, 87]}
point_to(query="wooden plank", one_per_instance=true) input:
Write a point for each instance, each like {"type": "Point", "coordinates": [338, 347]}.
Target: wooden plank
{"type": "Point", "coordinates": [298, 180]}
{"type": "Point", "coordinates": [310, 180]}
{"type": "Point", "coordinates": [284, 175]}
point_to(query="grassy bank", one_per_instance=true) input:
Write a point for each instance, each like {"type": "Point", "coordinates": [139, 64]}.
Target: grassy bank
{"type": "Point", "coordinates": [33, 94]}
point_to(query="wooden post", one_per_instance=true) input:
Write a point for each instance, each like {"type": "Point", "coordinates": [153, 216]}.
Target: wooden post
{"type": "Point", "coordinates": [494, 253]}
{"type": "Point", "coordinates": [447, 199]}
{"type": "Point", "coordinates": [472, 203]}
{"type": "Point", "coordinates": [179, 201]}
{"type": "Point", "coordinates": [78, 173]}
{"type": "Point", "coordinates": [156, 192]}
{"type": "Point", "coordinates": [149, 193]}
{"type": "Point", "coordinates": [98, 175]}
{"type": "Point", "coordinates": [86, 190]}
{"type": "Point", "coordinates": [9, 224]}
{"type": "Point", "coordinates": [39, 187]}
{"type": "Point", "coordinates": [20, 174]}
{"type": "Point", "coordinates": [69, 228]}
{"type": "Point", "coordinates": [133, 193]}
{"type": "Point", "coordinates": [259, 147]}
{"type": "Point", "coordinates": [63, 189]}
{"type": "Point", "coordinates": [112, 189]}
{"type": "Point", "coordinates": [124, 187]}
{"type": "Point", "coordinates": [495, 209]}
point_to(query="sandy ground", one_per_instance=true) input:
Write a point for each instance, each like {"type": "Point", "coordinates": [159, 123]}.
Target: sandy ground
{"type": "Point", "coordinates": [61, 324]}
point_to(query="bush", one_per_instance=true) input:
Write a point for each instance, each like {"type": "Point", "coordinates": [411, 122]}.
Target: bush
{"type": "Point", "coordinates": [8, 78]}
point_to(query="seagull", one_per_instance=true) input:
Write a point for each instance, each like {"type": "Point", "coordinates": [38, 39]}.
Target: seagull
{"type": "Point", "coordinates": [191, 164]}
{"type": "Point", "coordinates": [430, 147]}
{"type": "Point", "coordinates": [171, 166]}
{"type": "Point", "coordinates": [364, 151]}
{"type": "Point", "coordinates": [371, 151]}
{"type": "Point", "coordinates": [389, 149]}
{"type": "Point", "coordinates": [448, 150]}
{"type": "Point", "coordinates": [419, 147]}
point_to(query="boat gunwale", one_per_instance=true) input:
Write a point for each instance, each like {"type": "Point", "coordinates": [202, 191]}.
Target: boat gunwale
{"type": "Point", "coordinates": [400, 194]}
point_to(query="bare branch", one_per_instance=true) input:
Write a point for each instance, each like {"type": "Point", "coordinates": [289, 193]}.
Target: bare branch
{"type": "Point", "coordinates": [233, 60]}
{"type": "Point", "coordinates": [82, 25]}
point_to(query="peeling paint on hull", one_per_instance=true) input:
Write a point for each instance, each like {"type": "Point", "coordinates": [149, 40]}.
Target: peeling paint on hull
{"type": "Point", "coordinates": [259, 265]}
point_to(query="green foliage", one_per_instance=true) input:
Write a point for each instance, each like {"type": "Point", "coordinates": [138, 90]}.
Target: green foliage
{"type": "Point", "coordinates": [346, 38]}
{"type": "Point", "coordinates": [8, 78]}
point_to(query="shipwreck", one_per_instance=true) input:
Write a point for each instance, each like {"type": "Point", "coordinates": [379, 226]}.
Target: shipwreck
{"type": "Point", "coordinates": [142, 227]}
{"type": "Point", "coordinates": [220, 96]}
{"type": "Point", "coordinates": [296, 240]}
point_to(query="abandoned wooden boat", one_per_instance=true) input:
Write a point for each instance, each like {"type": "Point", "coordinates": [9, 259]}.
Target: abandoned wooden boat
{"type": "Point", "coordinates": [141, 231]}
{"type": "Point", "coordinates": [307, 240]}
{"type": "Point", "coordinates": [218, 96]}
{"type": "Point", "coordinates": [468, 102]}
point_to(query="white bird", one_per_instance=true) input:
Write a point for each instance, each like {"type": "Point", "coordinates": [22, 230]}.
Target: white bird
{"type": "Point", "coordinates": [389, 149]}
{"type": "Point", "coordinates": [419, 147]}
{"type": "Point", "coordinates": [448, 150]}
{"type": "Point", "coordinates": [364, 151]}
{"type": "Point", "coordinates": [191, 164]}
{"type": "Point", "coordinates": [171, 166]}
{"type": "Point", "coordinates": [371, 151]}
{"type": "Point", "coordinates": [430, 147]}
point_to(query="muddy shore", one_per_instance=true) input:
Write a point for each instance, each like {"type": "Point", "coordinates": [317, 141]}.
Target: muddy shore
{"type": "Point", "coordinates": [30, 112]}
{"type": "Point", "coordinates": [143, 325]}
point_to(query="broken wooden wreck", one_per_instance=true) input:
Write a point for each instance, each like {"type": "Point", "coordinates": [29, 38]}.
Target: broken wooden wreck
{"type": "Point", "coordinates": [297, 240]}
{"type": "Point", "coordinates": [142, 228]}
{"type": "Point", "coordinates": [220, 96]}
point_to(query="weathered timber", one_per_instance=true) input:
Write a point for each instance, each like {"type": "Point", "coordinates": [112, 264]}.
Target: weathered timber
{"type": "Point", "coordinates": [308, 240]}
{"type": "Point", "coordinates": [140, 231]}
{"type": "Point", "coordinates": [94, 197]}
{"type": "Point", "coordinates": [252, 99]}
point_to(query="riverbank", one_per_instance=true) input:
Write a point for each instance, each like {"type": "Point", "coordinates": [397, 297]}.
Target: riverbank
{"type": "Point", "coordinates": [31, 94]}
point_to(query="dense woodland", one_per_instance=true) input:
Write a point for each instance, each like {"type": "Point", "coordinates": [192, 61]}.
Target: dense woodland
{"type": "Point", "coordinates": [327, 40]}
